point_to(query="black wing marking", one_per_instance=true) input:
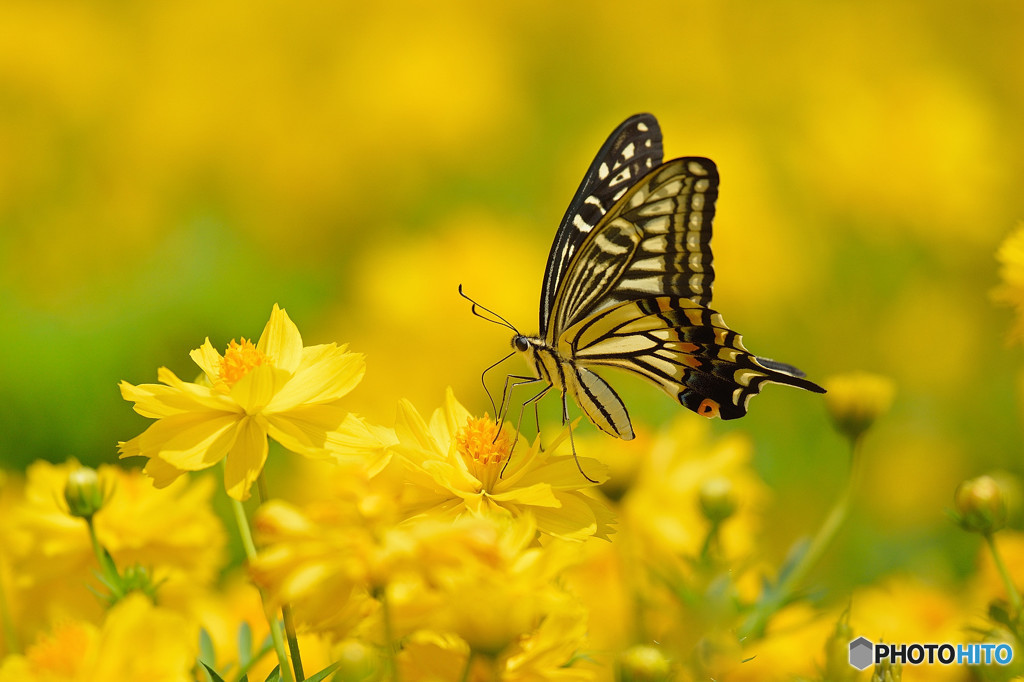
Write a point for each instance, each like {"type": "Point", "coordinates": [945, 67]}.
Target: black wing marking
{"type": "Point", "coordinates": [684, 348]}
{"type": "Point", "coordinates": [655, 241]}
{"type": "Point", "coordinates": [628, 154]}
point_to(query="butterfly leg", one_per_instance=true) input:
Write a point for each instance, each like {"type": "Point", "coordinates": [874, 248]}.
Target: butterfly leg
{"type": "Point", "coordinates": [572, 443]}
{"type": "Point", "coordinates": [536, 421]}
{"type": "Point", "coordinates": [506, 394]}
{"type": "Point", "coordinates": [535, 399]}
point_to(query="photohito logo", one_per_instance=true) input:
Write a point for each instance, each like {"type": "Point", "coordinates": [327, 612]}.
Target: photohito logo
{"type": "Point", "coordinates": [863, 653]}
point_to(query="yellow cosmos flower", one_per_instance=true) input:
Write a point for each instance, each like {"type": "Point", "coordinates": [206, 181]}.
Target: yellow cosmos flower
{"type": "Point", "coordinates": [318, 561]}
{"type": "Point", "coordinates": [174, 533]}
{"type": "Point", "coordinates": [663, 507]}
{"type": "Point", "coordinates": [459, 464]}
{"type": "Point", "coordinates": [551, 651]}
{"type": "Point", "coordinates": [274, 388]}
{"type": "Point", "coordinates": [137, 641]}
{"type": "Point", "coordinates": [634, 584]}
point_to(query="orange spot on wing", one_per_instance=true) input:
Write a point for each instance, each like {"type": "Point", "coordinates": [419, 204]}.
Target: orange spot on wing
{"type": "Point", "coordinates": [708, 408]}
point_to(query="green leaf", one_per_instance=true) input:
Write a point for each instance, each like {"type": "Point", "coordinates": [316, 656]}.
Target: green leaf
{"type": "Point", "coordinates": [322, 675]}
{"type": "Point", "coordinates": [212, 673]}
{"type": "Point", "coordinates": [793, 559]}
{"type": "Point", "coordinates": [275, 674]}
{"type": "Point", "coordinates": [244, 643]}
{"type": "Point", "coordinates": [267, 647]}
{"type": "Point", "coordinates": [207, 651]}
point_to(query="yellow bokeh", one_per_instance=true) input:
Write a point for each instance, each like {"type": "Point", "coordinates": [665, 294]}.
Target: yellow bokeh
{"type": "Point", "coordinates": [169, 171]}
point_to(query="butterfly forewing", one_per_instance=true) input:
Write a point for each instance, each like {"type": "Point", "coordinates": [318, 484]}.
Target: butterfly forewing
{"type": "Point", "coordinates": [654, 241]}
{"type": "Point", "coordinates": [629, 153]}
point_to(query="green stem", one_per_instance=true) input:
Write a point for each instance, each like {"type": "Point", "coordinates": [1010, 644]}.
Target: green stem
{"type": "Point", "coordinates": [293, 641]}
{"type": "Point", "coordinates": [107, 565]}
{"type": "Point", "coordinates": [286, 609]}
{"type": "Point", "coordinates": [711, 538]}
{"type": "Point", "coordinates": [242, 521]}
{"type": "Point", "coordinates": [1011, 589]}
{"type": "Point", "coordinates": [390, 645]}
{"type": "Point", "coordinates": [469, 666]}
{"type": "Point", "coordinates": [781, 594]}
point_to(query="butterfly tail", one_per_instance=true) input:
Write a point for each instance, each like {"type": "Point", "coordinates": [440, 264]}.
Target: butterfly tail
{"type": "Point", "coordinates": [782, 373]}
{"type": "Point", "coordinates": [738, 380]}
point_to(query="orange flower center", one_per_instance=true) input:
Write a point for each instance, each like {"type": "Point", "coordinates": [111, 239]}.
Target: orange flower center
{"type": "Point", "coordinates": [484, 449]}
{"type": "Point", "coordinates": [239, 359]}
{"type": "Point", "coordinates": [61, 653]}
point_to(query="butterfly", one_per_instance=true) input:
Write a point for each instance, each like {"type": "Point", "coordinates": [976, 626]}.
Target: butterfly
{"type": "Point", "coordinates": [628, 285]}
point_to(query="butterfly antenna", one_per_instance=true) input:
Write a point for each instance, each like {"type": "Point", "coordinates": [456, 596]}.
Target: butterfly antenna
{"type": "Point", "coordinates": [495, 317]}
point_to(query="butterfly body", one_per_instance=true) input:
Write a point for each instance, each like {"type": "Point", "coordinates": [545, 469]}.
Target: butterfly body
{"type": "Point", "coordinates": [628, 284]}
{"type": "Point", "coordinates": [562, 372]}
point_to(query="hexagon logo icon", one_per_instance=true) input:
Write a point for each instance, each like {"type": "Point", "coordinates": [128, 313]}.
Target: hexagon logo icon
{"type": "Point", "coordinates": [861, 653]}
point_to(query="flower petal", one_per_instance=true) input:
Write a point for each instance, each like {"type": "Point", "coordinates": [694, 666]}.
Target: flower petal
{"type": "Point", "coordinates": [203, 396]}
{"type": "Point", "coordinates": [539, 494]}
{"type": "Point", "coordinates": [281, 341]}
{"type": "Point", "coordinates": [246, 459]}
{"type": "Point", "coordinates": [573, 520]}
{"type": "Point", "coordinates": [333, 375]}
{"type": "Point", "coordinates": [458, 480]}
{"type": "Point", "coordinates": [209, 360]}
{"type": "Point", "coordinates": [189, 441]}
{"type": "Point", "coordinates": [162, 473]}
{"type": "Point", "coordinates": [358, 438]}
{"type": "Point", "coordinates": [304, 429]}
{"type": "Point", "coordinates": [447, 421]}
{"type": "Point", "coordinates": [562, 473]}
{"type": "Point", "coordinates": [156, 400]}
{"type": "Point", "coordinates": [255, 390]}
{"type": "Point", "coordinates": [153, 400]}
{"type": "Point", "coordinates": [413, 431]}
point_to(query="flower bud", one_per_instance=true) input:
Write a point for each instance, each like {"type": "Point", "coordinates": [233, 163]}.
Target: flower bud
{"type": "Point", "coordinates": [837, 652]}
{"type": "Point", "coordinates": [717, 499]}
{"type": "Point", "coordinates": [84, 493]}
{"type": "Point", "coordinates": [887, 672]}
{"type": "Point", "coordinates": [980, 506]}
{"type": "Point", "coordinates": [137, 578]}
{"type": "Point", "coordinates": [856, 400]}
{"type": "Point", "coordinates": [358, 661]}
{"type": "Point", "coordinates": [644, 663]}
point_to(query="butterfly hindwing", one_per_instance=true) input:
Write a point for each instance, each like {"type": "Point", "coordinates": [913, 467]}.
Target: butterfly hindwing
{"type": "Point", "coordinates": [684, 348]}
{"type": "Point", "coordinates": [599, 401]}
{"type": "Point", "coordinates": [655, 241]}
{"type": "Point", "coordinates": [629, 153]}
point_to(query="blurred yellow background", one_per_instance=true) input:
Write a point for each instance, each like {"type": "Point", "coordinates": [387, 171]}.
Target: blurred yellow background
{"type": "Point", "coordinates": [169, 171]}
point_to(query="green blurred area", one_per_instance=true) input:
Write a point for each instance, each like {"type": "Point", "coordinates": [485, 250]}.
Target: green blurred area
{"type": "Point", "coordinates": [169, 171]}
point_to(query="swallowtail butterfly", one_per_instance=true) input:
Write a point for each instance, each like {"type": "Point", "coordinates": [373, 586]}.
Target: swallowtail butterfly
{"type": "Point", "coordinates": [628, 285]}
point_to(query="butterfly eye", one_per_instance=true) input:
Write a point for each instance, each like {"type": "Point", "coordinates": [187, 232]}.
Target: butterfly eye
{"type": "Point", "coordinates": [520, 343]}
